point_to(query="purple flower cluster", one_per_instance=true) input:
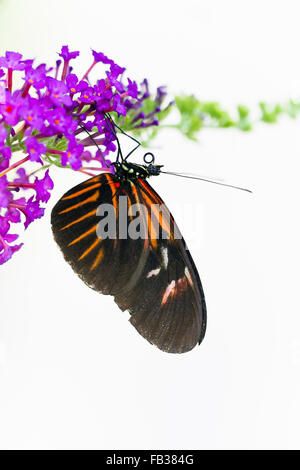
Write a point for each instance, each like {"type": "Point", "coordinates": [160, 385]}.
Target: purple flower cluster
{"type": "Point", "coordinates": [141, 116]}
{"type": "Point", "coordinates": [53, 118]}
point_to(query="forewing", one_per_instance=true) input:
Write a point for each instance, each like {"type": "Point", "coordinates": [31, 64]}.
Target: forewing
{"type": "Point", "coordinates": [104, 264]}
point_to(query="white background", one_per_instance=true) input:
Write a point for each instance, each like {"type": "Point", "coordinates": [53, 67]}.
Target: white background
{"type": "Point", "coordinates": [73, 372]}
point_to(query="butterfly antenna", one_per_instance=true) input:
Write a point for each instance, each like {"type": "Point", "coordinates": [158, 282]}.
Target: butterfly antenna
{"type": "Point", "coordinates": [92, 139]}
{"type": "Point", "coordinates": [127, 135]}
{"type": "Point", "coordinates": [207, 181]}
{"type": "Point", "coordinates": [111, 125]}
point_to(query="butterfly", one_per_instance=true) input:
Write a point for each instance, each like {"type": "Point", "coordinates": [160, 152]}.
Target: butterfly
{"type": "Point", "coordinates": [146, 265]}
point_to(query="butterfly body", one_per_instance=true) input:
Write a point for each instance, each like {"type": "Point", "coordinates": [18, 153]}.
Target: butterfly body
{"type": "Point", "coordinates": [127, 171]}
{"type": "Point", "coordinates": [153, 275]}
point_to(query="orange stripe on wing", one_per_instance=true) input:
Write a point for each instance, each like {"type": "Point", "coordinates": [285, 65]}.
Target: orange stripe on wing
{"type": "Point", "coordinates": [83, 235]}
{"type": "Point", "coordinates": [114, 199]}
{"type": "Point", "coordinates": [163, 220]}
{"type": "Point", "coordinates": [150, 197]}
{"type": "Point", "coordinates": [86, 252]}
{"type": "Point", "coordinates": [104, 176]}
{"type": "Point", "coordinates": [97, 259]}
{"type": "Point", "coordinates": [151, 228]}
{"type": "Point", "coordinates": [155, 198]}
{"type": "Point", "coordinates": [145, 222]}
{"type": "Point", "coordinates": [76, 221]}
{"type": "Point", "coordinates": [92, 180]}
{"type": "Point", "coordinates": [111, 183]}
{"type": "Point", "coordinates": [82, 191]}
{"type": "Point", "coordinates": [161, 214]}
{"type": "Point", "coordinates": [148, 191]}
{"type": "Point", "coordinates": [93, 198]}
{"type": "Point", "coordinates": [166, 216]}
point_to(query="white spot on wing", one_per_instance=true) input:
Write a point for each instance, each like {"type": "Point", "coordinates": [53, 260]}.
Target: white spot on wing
{"type": "Point", "coordinates": [154, 272]}
{"type": "Point", "coordinates": [176, 288]}
{"type": "Point", "coordinates": [165, 260]}
{"type": "Point", "coordinates": [188, 276]}
{"type": "Point", "coordinates": [168, 291]}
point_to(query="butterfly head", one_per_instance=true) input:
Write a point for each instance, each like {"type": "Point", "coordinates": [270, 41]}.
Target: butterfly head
{"type": "Point", "coordinates": [127, 171]}
{"type": "Point", "coordinates": [154, 170]}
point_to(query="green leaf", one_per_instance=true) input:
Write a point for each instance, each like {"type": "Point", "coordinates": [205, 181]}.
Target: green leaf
{"type": "Point", "coordinates": [269, 112]}
{"type": "Point", "coordinates": [292, 108]}
{"type": "Point", "coordinates": [243, 123]}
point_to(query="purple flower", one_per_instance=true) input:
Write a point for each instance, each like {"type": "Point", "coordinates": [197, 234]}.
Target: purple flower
{"type": "Point", "coordinates": [42, 68]}
{"type": "Point", "coordinates": [74, 85]}
{"type": "Point", "coordinates": [23, 177]}
{"type": "Point", "coordinates": [6, 251]}
{"type": "Point", "coordinates": [114, 82]}
{"type": "Point", "coordinates": [12, 60]}
{"type": "Point", "coordinates": [154, 122]}
{"type": "Point", "coordinates": [67, 55]}
{"type": "Point", "coordinates": [4, 193]}
{"type": "Point", "coordinates": [116, 70]}
{"type": "Point", "coordinates": [86, 156]}
{"type": "Point", "coordinates": [99, 87]}
{"type": "Point", "coordinates": [139, 116]}
{"type": "Point", "coordinates": [145, 89]}
{"type": "Point", "coordinates": [100, 57]}
{"type": "Point", "coordinates": [32, 112]}
{"type": "Point", "coordinates": [28, 63]}
{"type": "Point", "coordinates": [10, 108]}
{"type": "Point", "coordinates": [5, 154]}
{"type": "Point", "coordinates": [104, 105]}
{"type": "Point", "coordinates": [161, 92]}
{"type": "Point", "coordinates": [118, 106]}
{"type": "Point", "coordinates": [35, 149]}
{"type": "Point", "coordinates": [60, 121]}
{"type": "Point", "coordinates": [132, 89]}
{"type": "Point", "coordinates": [2, 73]}
{"type": "Point", "coordinates": [4, 226]}
{"type": "Point", "coordinates": [73, 154]}
{"type": "Point", "coordinates": [43, 186]}
{"type": "Point", "coordinates": [103, 96]}
{"type": "Point", "coordinates": [13, 215]}
{"type": "Point", "coordinates": [35, 77]}
{"type": "Point", "coordinates": [31, 210]}
{"type": "Point", "coordinates": [104, 162]}
{"type": "Point", "coordinates": [87, 96]}
{"type": "Point", "coordinates": [3, 134]}
{"type": "Point", "coordinates": [58, 92]}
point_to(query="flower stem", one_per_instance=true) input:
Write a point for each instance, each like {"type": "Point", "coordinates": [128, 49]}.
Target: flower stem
{"type": "Point", "coordinates": [21, 185]}
{"type": "Point", "coordinates": [3, 243]}
{"type": "Point", "coordinates": [15, 165]}
{"type": "Point", "coordinates": [9, 79]}
{"type": "Point", "coordinates": [86, 173]}
{"type": "Point", "coordinates": [88, 71]}
{"type": "Point", "coordinates": [93, 168]}
{"type": "Point", "coordinates": [65, 70]}
{"type": "Point", "coordinates": [25, 89]}
{"type": "Point", "coordinates": [54, 152]}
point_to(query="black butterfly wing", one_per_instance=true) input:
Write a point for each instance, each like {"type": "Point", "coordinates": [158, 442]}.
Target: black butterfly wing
{"type": "Point", "coordinates": [154, 278]}
{"type": "Point", "coordinates": [166, 301]}
{"type": "Point", "coordinates": [103, 264]}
